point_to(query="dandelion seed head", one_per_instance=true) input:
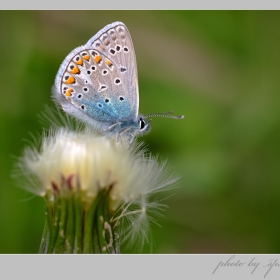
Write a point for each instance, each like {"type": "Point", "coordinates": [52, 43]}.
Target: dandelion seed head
{"type": "Point", "coordinates": [96, 162]}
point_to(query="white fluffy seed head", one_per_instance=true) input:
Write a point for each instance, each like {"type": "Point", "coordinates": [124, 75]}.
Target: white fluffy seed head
{"type": "Point", "coordinates": [97, 162]}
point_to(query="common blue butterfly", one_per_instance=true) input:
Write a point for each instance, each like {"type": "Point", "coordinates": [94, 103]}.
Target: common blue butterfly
{"type": "Point", "coordinates": [97, 83]}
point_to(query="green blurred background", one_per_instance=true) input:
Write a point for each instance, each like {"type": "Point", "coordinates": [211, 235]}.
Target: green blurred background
{"type": "Point", "coordinates": [218, 68]}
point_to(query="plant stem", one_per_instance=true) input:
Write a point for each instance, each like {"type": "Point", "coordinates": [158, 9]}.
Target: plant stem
{"type": "Point", "coordinates": [75, 226]}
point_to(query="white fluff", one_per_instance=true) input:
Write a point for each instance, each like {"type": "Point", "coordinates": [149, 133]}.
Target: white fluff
{"type": "Point", "coordinates": [99, 162]}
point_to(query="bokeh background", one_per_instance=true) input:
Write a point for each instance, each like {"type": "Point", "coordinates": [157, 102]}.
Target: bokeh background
{"type": "Point", "coordinates": [218, 68]}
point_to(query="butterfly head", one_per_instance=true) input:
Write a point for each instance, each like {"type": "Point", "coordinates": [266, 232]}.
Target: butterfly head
{"type": "Point", "coordinates": [144, 126]}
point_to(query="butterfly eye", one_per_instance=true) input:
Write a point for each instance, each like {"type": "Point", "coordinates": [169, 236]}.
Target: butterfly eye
{"type": "Point", "coordinates": [142, 123]}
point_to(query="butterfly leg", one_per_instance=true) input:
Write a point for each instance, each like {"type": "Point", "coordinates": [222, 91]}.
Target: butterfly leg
{"type": "Point", "coordinates": [111, 126]}
{"type": "Point", "coordinates": [122, 132]}
{"type": "Point", "coordinates": [132, 138]}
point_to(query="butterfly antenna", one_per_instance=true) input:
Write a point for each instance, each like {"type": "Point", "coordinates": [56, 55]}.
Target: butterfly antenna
{"type": "Point", "coordinates": [164, 115]}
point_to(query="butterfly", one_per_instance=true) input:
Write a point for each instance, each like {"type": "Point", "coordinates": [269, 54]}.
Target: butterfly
{"type": "Point", "coordinates": [97, 83]}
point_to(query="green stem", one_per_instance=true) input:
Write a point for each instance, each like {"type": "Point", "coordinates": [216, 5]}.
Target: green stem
{"type": "Point", "coordinates": [72, 226]}
{"type": "Point", "coordinates": [45, 238]}
{"type": "Point", "coordinates": [89, 241]}
{"type": "Point", "coordinates": [55, 223]}
{"type": "Point", "coordinates": [62, 225]}
{"type": "Point", "coordinates": [105, 231]}
{"type": "Point", "coordinates": [70, 235]}
{"type": "Point", "coordinates": [78, 211]}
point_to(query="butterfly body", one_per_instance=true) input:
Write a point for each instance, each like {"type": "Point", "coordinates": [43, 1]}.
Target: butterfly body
{"type": "Point", "coordinates": [97, 83]}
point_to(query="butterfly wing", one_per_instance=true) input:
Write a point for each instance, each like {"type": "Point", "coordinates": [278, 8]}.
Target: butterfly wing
{"type": "Point", "coordinates": [97, 83]}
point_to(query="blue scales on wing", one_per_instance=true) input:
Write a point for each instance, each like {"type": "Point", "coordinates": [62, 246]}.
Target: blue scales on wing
{"type": "Point", "coordinates": [99, 80]}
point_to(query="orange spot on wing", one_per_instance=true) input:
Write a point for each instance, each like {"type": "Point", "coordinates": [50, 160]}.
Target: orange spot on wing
{"type": "Point", "coordinates": [86, 57]}
{"type": "Point", "coordinates": [70, 80]}
{"type": "Point", "coordinates": [97, 58]}
{"type": "Point", "coordinates": [109, 63]}
{"type": "Point", "coordinates": [68, 92]}
{"type": "Point", "coordinates": [75, 70]}
{"type": "Point", "coordinates": [79, 62]}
